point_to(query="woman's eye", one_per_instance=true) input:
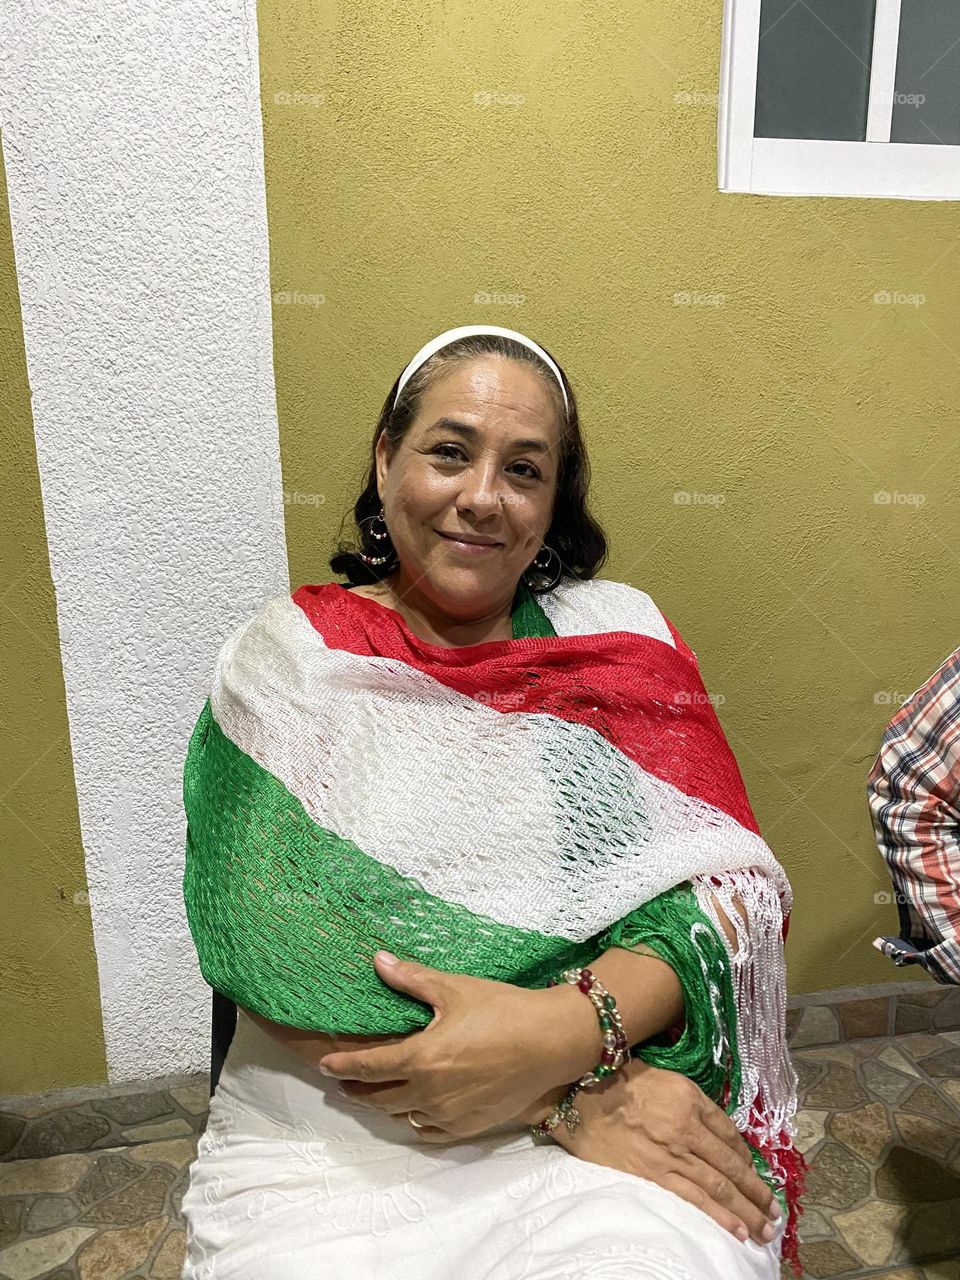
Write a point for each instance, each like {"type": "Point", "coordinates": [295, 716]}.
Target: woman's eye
{"type": "Point", "coordinates": [446, 450]}
{"type": "Point", "coordinates": [531, 472]}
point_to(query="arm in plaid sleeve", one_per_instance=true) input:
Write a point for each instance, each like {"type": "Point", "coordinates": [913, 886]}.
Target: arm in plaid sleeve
{"type": "Point", "coordinates": [914, 797]}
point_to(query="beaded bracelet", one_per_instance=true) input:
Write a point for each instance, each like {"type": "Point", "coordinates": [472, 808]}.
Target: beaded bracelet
{"type": "Point", "coordinates": [614, 1053]}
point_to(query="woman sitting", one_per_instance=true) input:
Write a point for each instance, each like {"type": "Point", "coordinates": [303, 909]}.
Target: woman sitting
{"type": "Point", "coordinates": [469, 849]}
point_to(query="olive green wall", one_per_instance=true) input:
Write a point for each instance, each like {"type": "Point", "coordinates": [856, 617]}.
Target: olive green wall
{"type": "Point", "coordinates": [52, 1028]}
{"type": "Point", "coordinates": [729, 348]}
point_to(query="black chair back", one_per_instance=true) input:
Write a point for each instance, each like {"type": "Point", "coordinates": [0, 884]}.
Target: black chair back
{"type": "Point", "coordinates": [224, 1024]}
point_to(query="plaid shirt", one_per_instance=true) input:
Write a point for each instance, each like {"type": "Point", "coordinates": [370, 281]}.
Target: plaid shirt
{"type": "Point", "coordinates": [914, 797]}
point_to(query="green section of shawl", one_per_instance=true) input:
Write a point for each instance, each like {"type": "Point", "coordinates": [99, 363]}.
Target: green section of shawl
{"type": "Point", "coordinates": [286, 915]}
{"type": "Point", "coordinates": [674, 926]}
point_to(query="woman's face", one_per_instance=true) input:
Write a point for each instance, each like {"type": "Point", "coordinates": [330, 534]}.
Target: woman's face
{"type": "Point", "coordinates": [480, 460]}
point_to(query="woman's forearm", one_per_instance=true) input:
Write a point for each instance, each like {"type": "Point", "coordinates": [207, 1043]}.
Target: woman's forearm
{"type": "Point", "coordinates": [649, 997]}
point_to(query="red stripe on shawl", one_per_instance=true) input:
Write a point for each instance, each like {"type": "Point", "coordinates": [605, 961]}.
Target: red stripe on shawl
{"type": "Point", "coordinates": [641, 694]}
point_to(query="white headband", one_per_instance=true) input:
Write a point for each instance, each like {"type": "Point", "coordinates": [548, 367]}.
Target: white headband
{"type": "Point", "coordinates": [468, 331]}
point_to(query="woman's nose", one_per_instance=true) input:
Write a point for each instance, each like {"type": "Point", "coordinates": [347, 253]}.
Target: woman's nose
{"type": "Point", "coordinates": [481, 491]}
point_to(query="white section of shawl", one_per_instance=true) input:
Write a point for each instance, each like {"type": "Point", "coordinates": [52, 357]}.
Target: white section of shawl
{"type": "Point", "coordinates": [598, 605]}
{"type": "Point", "coordinates": [527, 819]}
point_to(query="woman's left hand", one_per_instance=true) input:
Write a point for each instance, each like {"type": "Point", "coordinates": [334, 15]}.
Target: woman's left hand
{"type": "Point", "coordinates": [490, 1052]}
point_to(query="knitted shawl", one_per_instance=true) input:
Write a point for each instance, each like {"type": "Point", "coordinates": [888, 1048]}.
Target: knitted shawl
{"type": "Point", "coordinates": [493, 809]}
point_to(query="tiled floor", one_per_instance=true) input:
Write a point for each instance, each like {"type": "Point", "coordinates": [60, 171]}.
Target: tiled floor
{"type": "Point", "coordinates": [108, 1207]}
{"type": "Point", "coordinates": [880, 1122]}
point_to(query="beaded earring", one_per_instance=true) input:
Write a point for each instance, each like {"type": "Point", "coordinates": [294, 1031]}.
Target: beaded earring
{"type": "Point", "coordinates": [535, 564]}
{"type": "Point", "coordinates": [378, 535]}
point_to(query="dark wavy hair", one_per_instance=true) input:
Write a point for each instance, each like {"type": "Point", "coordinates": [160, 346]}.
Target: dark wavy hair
{"type": "Point", "coordinates": [574, 534]}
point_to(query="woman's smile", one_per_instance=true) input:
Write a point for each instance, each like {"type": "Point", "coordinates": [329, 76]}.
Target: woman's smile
{"type": "Point", "coordinates": [470, 548]}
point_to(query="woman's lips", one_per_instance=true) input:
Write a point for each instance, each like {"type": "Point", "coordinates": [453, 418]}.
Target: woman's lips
{"type": "Point", "coordinates": [471, 548]}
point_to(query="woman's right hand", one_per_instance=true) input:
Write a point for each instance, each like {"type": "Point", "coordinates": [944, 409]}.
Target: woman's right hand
{"type": "Point", "coordinates": [661, 1126]}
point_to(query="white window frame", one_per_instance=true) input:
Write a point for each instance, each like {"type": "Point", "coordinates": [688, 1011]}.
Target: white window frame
{"type": "Point", "coordinates": [811, 167]}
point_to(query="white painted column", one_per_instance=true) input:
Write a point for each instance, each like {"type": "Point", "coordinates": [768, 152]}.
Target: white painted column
{"type": "Point", "coordinates": [133, 147]}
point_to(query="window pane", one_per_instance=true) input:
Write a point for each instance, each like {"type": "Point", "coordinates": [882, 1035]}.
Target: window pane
{"type": "Point", "coordinates": [813, 72]}
{"type": "Point", "coordinates": [926, 103]}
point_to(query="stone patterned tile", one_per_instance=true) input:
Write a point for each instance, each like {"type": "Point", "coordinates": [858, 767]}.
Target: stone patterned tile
{"type": "Point", "coordinates": [873, 1231]}
{"type": "Point", "coordinates": [838, 1179]}
{"type": "Point", "coordinates": [867, 1132]}
{"type": "Point", "coordinates": [827, 1258]}
{"type": "Point", "coordinates": [860, 1018]}
{"type": "Point", "coordinates": [898, 1061]}
{"type": "Point", "coordinates": [814, 1226]}
{"type": "Point", "coordinates": [34, 1257]}
{"type": "Point", "coordinates": [110, 1255]}
{"type": "Point", "coordinates": [928, 1008]}
{"type": "Point", "coordinates": [926, 995]}
{"type": "Point", "coordinates": [44, 1213]}
{"type": "Point", "coordinates": [11, 1130]}
{"type": "Point", "coordinates": [885, 1083]}
{"type": "Point", "coordinates": [946, 1013]}
{"type": "Point", "coordinates": [11, 1219]}
{"type": "Point", "coordinates": [135, 1202]}
{"type": "Point", "coordinates": [926, 1101]}
{"type": "Point", "coordinates": [195, 1099]}
{"type": "Point", "coordinates": [108, 1173]}
{"type": "Point", "coordinates": [180, 1153]}
{"type": "Point", "coordinates": [837, 1087]}
{"type": "Point", "coordinates": [818, 1025]}
{"type": "Point", "coordinates": [135, 1108]}
{"type": "Point", "coordinates": [869, 1048]}
{"type": "Point", "coordinates": [168, 1263]}
{"type": "Point", "coordinates": [178, 1128]}
{"type": "Point", "coordinates": [61, 1132]}
{"type": "Point", "coordinates": [944, 1064]}
{"type": "Point", "coordinates": [920, 1045]}
{"type": "Point", "coordinates": [933, 1234]}
{"type": "Point", "coordinates": [101, 1123]}
{"type": "Point", "coordinates": [842, 1053]}
{"type": "Point", "coordinates": [39, 1177]}
{"type": "Point", "coordinates": [810, 1129]}
{"type": "Point", "coordinates": [912, 1177]}
{"type": "Point", "coordinates": [931, 1137]}
{"type": "Point", "coordinates": [809, 1072]}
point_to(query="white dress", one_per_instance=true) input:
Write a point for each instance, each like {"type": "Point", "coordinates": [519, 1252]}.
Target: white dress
{"type": "Point", "coordinates": [293, 1181]}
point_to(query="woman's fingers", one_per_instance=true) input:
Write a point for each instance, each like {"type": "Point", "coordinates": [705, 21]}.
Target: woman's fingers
{"type": "Point", "coordinates": [719, 1123]}
{"type": "Point", "coordinates": [695, 1195]}
{"type": "Point", "coordinates": [394, 1098]}
{"type": "Point", "coordinates": [744, 1176]}
{"type": "Point", "coordinates": [429, 1133]}
{"type": "Point", "coordinates": [722, 1190]}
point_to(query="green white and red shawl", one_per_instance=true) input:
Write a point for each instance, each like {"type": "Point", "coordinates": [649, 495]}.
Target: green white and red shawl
{"type": "Point", "coordinates": [489, 809]}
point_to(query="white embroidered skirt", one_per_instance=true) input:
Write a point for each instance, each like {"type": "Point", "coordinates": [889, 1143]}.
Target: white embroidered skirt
{"type": "Point", "coordinates": [294, 1182]}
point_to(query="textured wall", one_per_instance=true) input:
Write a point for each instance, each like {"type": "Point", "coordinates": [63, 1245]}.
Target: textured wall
{"type": "Point", "coordinates": [51, 996]}
{"type": "Point", "coordinates": [728, 348]}
{"type": "Point", "coordinates": [134, 157]}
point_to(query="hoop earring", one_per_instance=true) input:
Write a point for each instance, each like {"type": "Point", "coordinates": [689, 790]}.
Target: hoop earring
{"type": "Point", "coordinates": [542, 568]}
{"type": "Point", "coordinates": [378, 535]}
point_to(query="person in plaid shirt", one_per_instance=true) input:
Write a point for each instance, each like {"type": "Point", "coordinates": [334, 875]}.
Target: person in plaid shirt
{"type": "Point", "coordinates": [914, 796]}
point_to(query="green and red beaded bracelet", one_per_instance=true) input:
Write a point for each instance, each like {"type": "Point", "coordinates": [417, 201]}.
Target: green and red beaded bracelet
{"type": "Point", "coordinates": [614, 1052]}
